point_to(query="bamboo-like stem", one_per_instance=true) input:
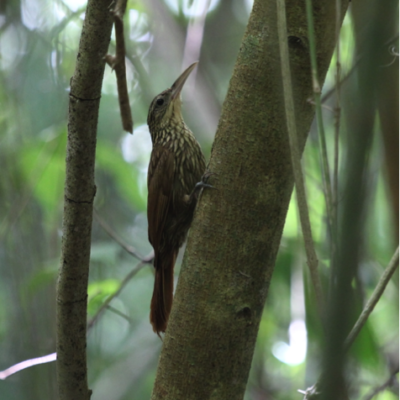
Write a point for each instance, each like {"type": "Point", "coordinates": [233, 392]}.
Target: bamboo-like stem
{"type": "Point", "coordinates": [312, 259]}
{"type": "Point", "coordinates": [320, 123]}
{"type": "Point", "coordinates": [337, 113]}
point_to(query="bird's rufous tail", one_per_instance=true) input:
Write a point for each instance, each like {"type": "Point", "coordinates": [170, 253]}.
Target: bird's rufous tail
{"type": "Point", "coordinates": [161, 301]}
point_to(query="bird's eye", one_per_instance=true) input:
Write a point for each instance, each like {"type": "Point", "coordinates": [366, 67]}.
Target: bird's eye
{"type": "Point", "coordinates": [160, 102]}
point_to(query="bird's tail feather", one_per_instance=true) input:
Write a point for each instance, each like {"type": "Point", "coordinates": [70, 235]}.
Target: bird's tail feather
{"type": "Point", "coordinates": [161, 301]}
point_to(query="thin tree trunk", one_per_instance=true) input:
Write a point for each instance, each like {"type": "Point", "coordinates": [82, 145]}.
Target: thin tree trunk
{"type": "Point", "coordinates": [231, 251]}
{"type": "Point", "coordinates": [78, 202]}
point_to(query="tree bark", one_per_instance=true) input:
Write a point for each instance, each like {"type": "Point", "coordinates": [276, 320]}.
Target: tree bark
{"type": "Point", "coordinates": [232, 246]}
{"type": "Point", "coordinates": [78, 202]}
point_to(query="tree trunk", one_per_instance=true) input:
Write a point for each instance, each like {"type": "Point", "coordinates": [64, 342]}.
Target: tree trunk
{"type": "Point", "coordinates": [235, 236]}
{"type": "Point", "coordinates": [78, 202]}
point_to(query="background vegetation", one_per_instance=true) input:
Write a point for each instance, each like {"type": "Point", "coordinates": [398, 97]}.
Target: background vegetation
{"type": "Point", "coordinates": [38, 42]}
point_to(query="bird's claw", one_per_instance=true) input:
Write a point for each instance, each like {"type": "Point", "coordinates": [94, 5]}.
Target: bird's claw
{"type": "Point", "coordinates": [206, 176]}
{"type": "Point", "coordinates": [201, 185]}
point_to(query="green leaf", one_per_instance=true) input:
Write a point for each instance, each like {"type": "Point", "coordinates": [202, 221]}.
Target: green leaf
{"type": "Point", "coordinates": [99, 291]}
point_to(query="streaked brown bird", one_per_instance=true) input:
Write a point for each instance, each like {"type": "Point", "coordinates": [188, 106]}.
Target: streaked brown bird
{"type": "Point", "coordinates": [174, 181]}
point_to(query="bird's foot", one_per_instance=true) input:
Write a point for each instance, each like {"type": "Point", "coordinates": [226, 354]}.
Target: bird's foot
{"type": "Point", "coordinates": [206, 176]}
{"type": "Point", "coordinates": [201, 185]}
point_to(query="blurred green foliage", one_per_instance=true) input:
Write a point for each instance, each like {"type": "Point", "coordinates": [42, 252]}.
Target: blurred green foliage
{"type": "Point", "coordinates": [38, 46]}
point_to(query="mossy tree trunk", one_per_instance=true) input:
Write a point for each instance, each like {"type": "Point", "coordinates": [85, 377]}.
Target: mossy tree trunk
{"type": "Point", "coordinates": [234, 239]}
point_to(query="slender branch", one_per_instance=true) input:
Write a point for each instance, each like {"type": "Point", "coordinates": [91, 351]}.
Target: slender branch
{"type": "Point", "coordinates": [123, 283]}
{"type": "Point", "coordinates": [27, 364]}
{"type": "Point", "coordinates": [376, 295]}
{"type": "Point", "coordinates": [317, 99]}
{"type": "Point", "coordinates": [385, 385]}
{"type": "Point", "coordinates": [332, 90]}
{"type": "Point", "coordinates": [295, 154]}
{"type": "Point", "coordinates": [113, 235]}
{"type": "Point", "coordinates": [309, 393]}
{"type": "Point", "coordinates": [119, 313]}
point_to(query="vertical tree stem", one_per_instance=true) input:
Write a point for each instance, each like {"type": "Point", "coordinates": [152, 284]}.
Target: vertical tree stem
{"type": "Point", "coordinates": [320, 123]}
{"type": "Point", "coordinates": [78, 202]}
{"type": "Point", "coordinates": [295, 155]}
{"type": "Point", "coordinates": [351, 222]}
{"type": "Point", "coordinates": [337, 114]}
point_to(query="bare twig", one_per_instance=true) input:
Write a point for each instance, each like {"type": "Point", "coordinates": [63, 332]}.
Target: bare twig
{"type": "Point", "coordinates": [113, 235]}
{"type": "Point", "coordinates": [295, 155]}
{"type": "Point", "coordinates": [309, 393]}
{"type": "Point", "coordinates": [119, 313]}
{"type": "Point", "coordinates": [123, 283]}
{"type": "Point", "coordinates": [117, 63]}
{"type": "Point", "coordinates": [371, 303]}
{"type": "Point", "coordinates": [389, 382]}
{"type": "Point", "coordinates": [26, 364]}
{"type": "Point", "coordinates": [332, 90]}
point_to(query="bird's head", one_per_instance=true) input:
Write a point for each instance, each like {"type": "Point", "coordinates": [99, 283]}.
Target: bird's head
{"type": "Point", "coordinates": [165, 109]}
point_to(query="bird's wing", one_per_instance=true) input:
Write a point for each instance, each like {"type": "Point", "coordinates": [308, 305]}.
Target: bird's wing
{"type": "Point", "coordinates": [160, 181]}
